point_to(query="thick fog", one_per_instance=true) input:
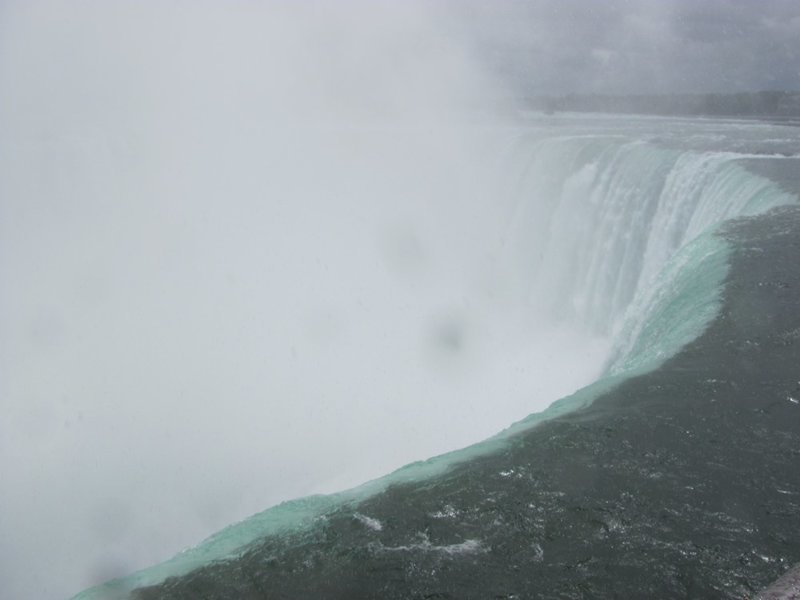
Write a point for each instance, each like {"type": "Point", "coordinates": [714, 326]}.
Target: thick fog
{"type": "Point", "coordinates": [250, 251]}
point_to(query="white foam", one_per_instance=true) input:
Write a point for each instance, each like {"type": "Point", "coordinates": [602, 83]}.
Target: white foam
{"type": "Point", "coordinates": [371, 523]}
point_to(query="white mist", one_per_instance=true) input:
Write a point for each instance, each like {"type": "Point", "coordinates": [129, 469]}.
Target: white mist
{"type": "Point", "coordinates": [249, 252]}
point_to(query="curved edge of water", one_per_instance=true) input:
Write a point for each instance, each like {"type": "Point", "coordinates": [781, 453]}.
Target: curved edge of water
{"type": "Point", "coordinates": [698, 272]}
{"type": "Point", "coordinates": [296, 516]}
{"type": "Point", "coordinates": [686, 299]}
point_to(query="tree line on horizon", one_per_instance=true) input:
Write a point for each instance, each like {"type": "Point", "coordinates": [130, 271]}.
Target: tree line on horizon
{"type": "Point", "coordinates": [773, 103]}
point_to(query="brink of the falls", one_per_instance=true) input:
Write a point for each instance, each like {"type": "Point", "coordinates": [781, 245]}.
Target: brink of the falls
{"type": "Point", "coordinates": [672, 475]}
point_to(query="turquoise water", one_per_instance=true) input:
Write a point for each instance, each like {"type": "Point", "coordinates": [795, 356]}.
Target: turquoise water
{"type": "Point", "coordinates": [616, 229]}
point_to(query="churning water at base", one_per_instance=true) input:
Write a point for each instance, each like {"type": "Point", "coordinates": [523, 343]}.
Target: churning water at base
{"type": "Point", "coordinates": [607, 237]}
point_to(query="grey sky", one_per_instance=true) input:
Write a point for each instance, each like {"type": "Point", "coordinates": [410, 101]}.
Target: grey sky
{"type": "Point", "coordinates": [639, 46]}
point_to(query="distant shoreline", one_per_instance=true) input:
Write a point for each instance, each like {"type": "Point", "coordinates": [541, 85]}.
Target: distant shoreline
{"type": "Point", "coordinates": [780, 107]}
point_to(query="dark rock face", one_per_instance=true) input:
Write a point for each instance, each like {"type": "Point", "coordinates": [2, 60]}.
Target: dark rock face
{"type": "Point", "coordinates": [682, 483]}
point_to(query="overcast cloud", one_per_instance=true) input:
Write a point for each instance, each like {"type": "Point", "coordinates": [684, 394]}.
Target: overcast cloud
{"type": "Point", "coordinates": [639, 46]}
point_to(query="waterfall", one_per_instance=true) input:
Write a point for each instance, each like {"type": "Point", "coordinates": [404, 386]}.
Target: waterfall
{"type": "Point", "coordinates": [606, 231]}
